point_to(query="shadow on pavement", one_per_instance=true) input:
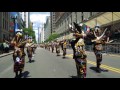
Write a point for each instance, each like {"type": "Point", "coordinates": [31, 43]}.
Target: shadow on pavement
{"type": "Point", "coordinates": [31, 61]}
{"type": "Point", "coordinates": [65, 57]}
{"type": "Point", "coordinates": [19, 76]}
{"type": "Point", "coordinates": [95, 69]}
{"type": "Point", "coordinates": [73, 76]}
{"type": "Point", "coordinates": [25, 74]}
{"type": "Point", "coordinates": [104, 70]}
{"type": "Point", "coordinates": [58, 55]}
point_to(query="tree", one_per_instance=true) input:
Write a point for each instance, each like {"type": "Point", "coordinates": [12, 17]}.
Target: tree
{"type": "Point", "coordinates": [52, 37]}
{"type": "Point", "coordinates": [29, 32]}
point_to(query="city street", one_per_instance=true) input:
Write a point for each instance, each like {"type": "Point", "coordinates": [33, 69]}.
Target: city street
{"type": "Point", "coordinates": [47, 65]}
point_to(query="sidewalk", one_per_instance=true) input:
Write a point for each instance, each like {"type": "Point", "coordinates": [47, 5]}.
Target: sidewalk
{"type": "Point", "coordinates": [6, 54]}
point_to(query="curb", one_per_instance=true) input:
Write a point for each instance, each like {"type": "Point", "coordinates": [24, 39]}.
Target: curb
{"type": "Point", "coordinates": [6, 54]}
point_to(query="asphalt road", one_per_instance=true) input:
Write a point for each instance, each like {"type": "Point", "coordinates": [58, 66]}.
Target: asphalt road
{"type": "Point", "coordinates": [47, 65]}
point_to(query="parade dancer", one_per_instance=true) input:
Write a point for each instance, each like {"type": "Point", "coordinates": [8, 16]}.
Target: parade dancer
{"type": "Point", "coordinates": [33, 48]}
{"type": "Point", "coordinates": [98, 42]}
{"type": "Point", "coordinates": [61, 44]}
{"type": "Point", "coordinates": [18, 54]}
{"type": "Point", "coordinates": [29, 49]}
{"type": "Point", "coordinates": [45, 46]}
{"type": "Point", "coordinates": [58, 48]}
{"type": "Point", "coordinates": [79, 52]}
{"type": "Point", "coordinates": [64, 48]}
{"type": "Point", "coordinates": [49, 46]}
{"type": "Point", "coordinates": [52, 46]}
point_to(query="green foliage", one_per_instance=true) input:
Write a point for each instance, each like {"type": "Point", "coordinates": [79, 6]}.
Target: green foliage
{"type": "Point", "coordinates": [52, 37]}
{"type": "Point", "coordinates": [29, 32]}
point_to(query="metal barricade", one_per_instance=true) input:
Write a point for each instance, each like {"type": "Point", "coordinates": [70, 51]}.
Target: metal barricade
{"type": "Point", "coordinates": [112, 48]}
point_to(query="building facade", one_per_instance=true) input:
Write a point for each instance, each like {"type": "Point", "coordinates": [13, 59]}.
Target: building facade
{"type": "Point", "coordinates": [66, 18]}
{"type": "Point", "coordinates": [4, 26]}
{"type": "Point", "coordinates": [91, 19]}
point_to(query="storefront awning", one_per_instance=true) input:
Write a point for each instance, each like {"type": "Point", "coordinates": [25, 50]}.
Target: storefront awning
{"type": "Point", "coordinates": [103, 19]}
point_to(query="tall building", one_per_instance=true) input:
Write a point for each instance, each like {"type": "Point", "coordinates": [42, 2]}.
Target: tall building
{"type": "Point", "coordinates": [39, 35]}
{"type": "Point", "coordinates": [54, 16]}
{"type": "Point", "coordinates": [31, 25]}
{"type": "Point", "coordinates": [29, 19]}
{"type": "Point", "coordinates": [42, 34]}
{"type": "Point", "coordinates": [62, 21]}
{"type": "Point", "coordinates": [26, 19]}
{"type": "Point", "coordinates": [20, 21]}
{"type": "Point", "coordinates": [47, 29]}
{"type": "Point", "coordinates": [52, 19]}
{"type": "Point", "coordinates": [24, 16]}
{"type": "Point", "coordinates": [11, 25]}
{"type": "Point", "coordinates": [4, 26]}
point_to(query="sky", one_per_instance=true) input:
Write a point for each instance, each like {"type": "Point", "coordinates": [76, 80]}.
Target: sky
{"type": "Point", "coordinates": [38, 18]}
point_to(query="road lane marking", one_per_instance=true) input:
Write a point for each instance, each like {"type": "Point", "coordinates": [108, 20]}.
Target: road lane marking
{"type": "Point", "coordinates": [102, 65]}
{"type": "Point", "coordinates": [105, 66]}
